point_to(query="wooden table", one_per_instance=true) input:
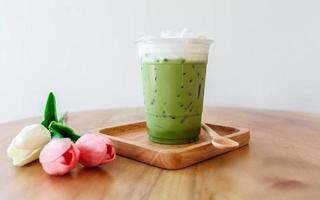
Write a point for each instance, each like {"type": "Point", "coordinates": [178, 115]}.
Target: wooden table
{"type": "Point", "coordinates": [281, 162]}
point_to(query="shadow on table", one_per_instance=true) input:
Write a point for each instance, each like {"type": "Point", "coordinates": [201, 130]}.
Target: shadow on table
{"type": "Point", "coordinates": [79, 181]}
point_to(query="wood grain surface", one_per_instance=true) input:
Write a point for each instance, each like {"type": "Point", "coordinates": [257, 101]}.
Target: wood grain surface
{"type": "Point", "coordinates": [281, 162]}
{"type": "Point", "coordinates": [131, 140]}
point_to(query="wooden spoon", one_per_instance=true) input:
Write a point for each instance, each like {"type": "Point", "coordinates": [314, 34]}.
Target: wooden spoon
{"type": "Point", "coordinates": [219, 141]}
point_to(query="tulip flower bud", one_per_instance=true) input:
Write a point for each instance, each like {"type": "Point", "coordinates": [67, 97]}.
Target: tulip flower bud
{"type": "Point", "coordinates": [27, 145]}
{"type": "Point", "coordinates": [59, 156]}
{"type": "Point", "coordinates": [95, 149]}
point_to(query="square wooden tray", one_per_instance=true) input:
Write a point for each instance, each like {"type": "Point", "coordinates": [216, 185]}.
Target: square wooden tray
{"type": "Point", "coordinates": [131, 141]}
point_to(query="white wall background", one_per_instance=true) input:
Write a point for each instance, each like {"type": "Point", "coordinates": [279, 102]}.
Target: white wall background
{"type": "Point", "coordinates": [266, 53]}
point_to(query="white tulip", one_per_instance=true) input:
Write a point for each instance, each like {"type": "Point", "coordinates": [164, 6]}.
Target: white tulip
{"type": "Point", "coordinates": [27, 145]}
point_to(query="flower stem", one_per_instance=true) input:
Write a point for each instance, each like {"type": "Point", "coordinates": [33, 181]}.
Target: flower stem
{"type": "Point", "coordinates": [64, 118]}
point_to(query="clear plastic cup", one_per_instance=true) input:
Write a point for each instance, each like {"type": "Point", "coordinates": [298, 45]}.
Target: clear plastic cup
{"type": "Point", "coordinates": [173, 73]}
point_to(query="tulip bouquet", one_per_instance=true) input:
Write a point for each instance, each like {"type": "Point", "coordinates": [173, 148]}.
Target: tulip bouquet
{"type": "Point", "coordinates": [57, 146]}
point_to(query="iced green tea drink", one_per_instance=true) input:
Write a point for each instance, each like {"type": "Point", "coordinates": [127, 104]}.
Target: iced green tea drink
{"type": "Point", "coordinates": [173, 74]}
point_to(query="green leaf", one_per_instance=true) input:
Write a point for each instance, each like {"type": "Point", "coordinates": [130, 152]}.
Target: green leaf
{"type": "Point", "coordinates": [58, 129]}
{"type": "Point", "coordinates": [50, 111]}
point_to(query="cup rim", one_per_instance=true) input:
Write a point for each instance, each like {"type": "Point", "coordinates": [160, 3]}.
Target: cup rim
{"type": "Point", "coordinates": [157, 40]}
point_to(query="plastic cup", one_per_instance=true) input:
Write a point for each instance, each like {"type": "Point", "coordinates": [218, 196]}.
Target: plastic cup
{"type": "Point", "coordinates": [173, 74]}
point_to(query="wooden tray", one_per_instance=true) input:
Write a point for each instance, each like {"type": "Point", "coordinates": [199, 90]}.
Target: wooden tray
{"type": "Point", "coordinates": [131, 141]}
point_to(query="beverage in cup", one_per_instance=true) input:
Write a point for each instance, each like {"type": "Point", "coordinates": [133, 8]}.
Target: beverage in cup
{"type": "Point", "coordinates": [173, 73]}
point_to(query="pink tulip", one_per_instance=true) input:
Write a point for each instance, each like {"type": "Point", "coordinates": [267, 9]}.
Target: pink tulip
{"type": "Point", "coordinates": [95, 149]}
{"type": "Point", "coordinates": [59, 156]}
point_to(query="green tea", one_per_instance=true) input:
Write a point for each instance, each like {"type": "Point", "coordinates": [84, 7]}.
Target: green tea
{"type": "Point", "coordinates": [173, 95]}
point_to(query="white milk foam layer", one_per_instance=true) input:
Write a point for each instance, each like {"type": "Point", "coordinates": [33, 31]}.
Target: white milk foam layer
{"type": "Point", "coordinates": [182, 45]}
